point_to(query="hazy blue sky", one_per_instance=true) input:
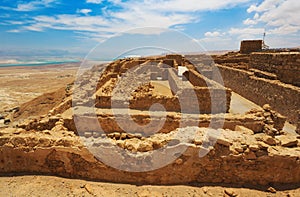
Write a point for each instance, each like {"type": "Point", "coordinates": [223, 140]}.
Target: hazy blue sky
{"type": "Point", "coordinates": [63, 27]}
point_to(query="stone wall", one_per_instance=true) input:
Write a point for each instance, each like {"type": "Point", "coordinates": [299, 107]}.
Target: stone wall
{"type": "Point", "coordinates": [208, 96]}
{"type": "Point", "coordinates": [203, 59]}
{"type": "Point", "coordinates": [285, 65]}
{"type": "Point", "coordinates": [175, 83]}
{"type": "Point", "coordinates": [145, 102]}
{"type": "Point", "coordinates": [178, 58]}
{"type": "Point", "coordinates": [173, 121]}
{"type": "Point", "coordinates": [66, 156]}
{"type": "Point", "coordinates": [249, 46]}
{"type": "Point", "coordinates": [282, 97]}
{"type": "Point", "coordinates": [197, 79]}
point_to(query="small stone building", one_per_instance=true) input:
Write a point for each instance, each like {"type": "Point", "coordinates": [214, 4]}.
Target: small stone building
{"type": "Point", "coordinates": [249, 46]}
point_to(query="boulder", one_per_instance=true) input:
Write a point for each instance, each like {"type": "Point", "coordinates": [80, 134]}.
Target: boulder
{"type": "Point", "coordinates": [287, 141]}
{"type": "Point", "coordinates": [224, 142]}
{"type": "Point", "coordinates": [269, 140]}
{"type": "Point", "coordinates": [267, 107]}
{"type": "Point", "coordinates": [145, 146]}
{"type": "Point", "coordinates": [243, 130]}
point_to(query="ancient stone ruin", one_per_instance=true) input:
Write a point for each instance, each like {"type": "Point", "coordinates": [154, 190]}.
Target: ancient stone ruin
{"type": "Point", "coordinates": [108, 129]}
{"type": "Point", "coordinates": [249, 46]}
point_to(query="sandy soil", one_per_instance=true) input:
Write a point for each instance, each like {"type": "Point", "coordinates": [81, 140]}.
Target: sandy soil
{"type": "Point", "coordinates": [21, 84]}
{"type": "Point", "coordinates": [240, 105]}
{"type": "Point", "coordinates": [161, 88]}
{"type": "Point", "coordinates": [57, 186]}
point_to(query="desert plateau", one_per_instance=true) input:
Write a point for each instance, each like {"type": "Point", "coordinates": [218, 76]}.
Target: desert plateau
{"type": "Point", "coordinates": [150, 98]}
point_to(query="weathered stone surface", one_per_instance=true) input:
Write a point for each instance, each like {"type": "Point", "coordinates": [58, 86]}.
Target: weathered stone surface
{"type": "Point", "coordinates": [287, 141]}
{"type": "Point", "coordinates": [271, 189]}
{"type": "Point", "coordinates": [254, 147]}
{"type": "Point", "coordinates": [224, 142]}
{"type": "Point", "coordinates": [267, 108]}
{"type": "Point", "coordinates": [250, 155]}
{"type": "Point", "coordinates": [230, 193]}
{"type": "Point", "coordinates": [269, 140]}
{"type": "Point", "coordinates": [145, 146]}
{"type": "Point", "coordinates": [243, 129]}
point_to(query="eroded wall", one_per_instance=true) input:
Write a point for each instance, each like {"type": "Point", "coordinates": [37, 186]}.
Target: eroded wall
{"type": "Point", "coordinates": [62, 155]}
{"type": "Point", "coordinates": [282, 97]}
{"type": "Point", "coordinates": [285, 65]}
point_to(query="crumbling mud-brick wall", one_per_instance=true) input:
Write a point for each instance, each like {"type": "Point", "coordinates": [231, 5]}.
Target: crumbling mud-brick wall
{"type": "Point", "coordinates": [286, 65]}
{"type": "Point", "coordinates": [249, 46]}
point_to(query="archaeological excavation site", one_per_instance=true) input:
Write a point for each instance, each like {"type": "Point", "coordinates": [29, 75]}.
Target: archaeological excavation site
{"type": "Point", "coordinates": [163, 120]}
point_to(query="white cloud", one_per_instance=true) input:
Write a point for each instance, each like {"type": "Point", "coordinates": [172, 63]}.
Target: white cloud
{"type": "Point", "coordinates": [147, 31]}
{"type": "Point", "coordinates": [84, 11]}
{"type": "Point", "coordinates": [249, 21]}
{"type": "Point", "coordinates": [94, 1]}
{"type": "Point", "coordinates": [14, 31]}
{"type": "Point", "coordinates": [70, 22]}
{"type": "Point", "coordinates": [279, 16]}
{"type": "Point", "coordinates": [133, 14]}
{"type": "Point", "coordinates": [33, 28]}
{"type": "Point", "coordinates": [141, 18]}
{"type": "Point", "coordinates": [248, 31]}
{"type": "Point", "coordinates": [99, 25]}
{"type": "Point", "coordinates": [282, 41]}
{"type": "Point", "coordinates": [33, 5]}
{"type": "Point", "coordinates": [221, 43]}
{"type": "Point", "coordinates": [181, 5]}
{"type": "Point", "coordinates": [17, 22]}
{"type": "Point", "coordinates": [217, 40]}
{"type": "Point", "coordinates": [284, 30]}
{"type": "Point", "coordinates": [212, 34]}
{"type": "Point", "coordinates": [264, 6]}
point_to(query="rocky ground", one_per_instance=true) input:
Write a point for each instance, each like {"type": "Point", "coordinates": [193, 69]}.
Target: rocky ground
{"type": "Point", "coordinates": [34, 185]}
